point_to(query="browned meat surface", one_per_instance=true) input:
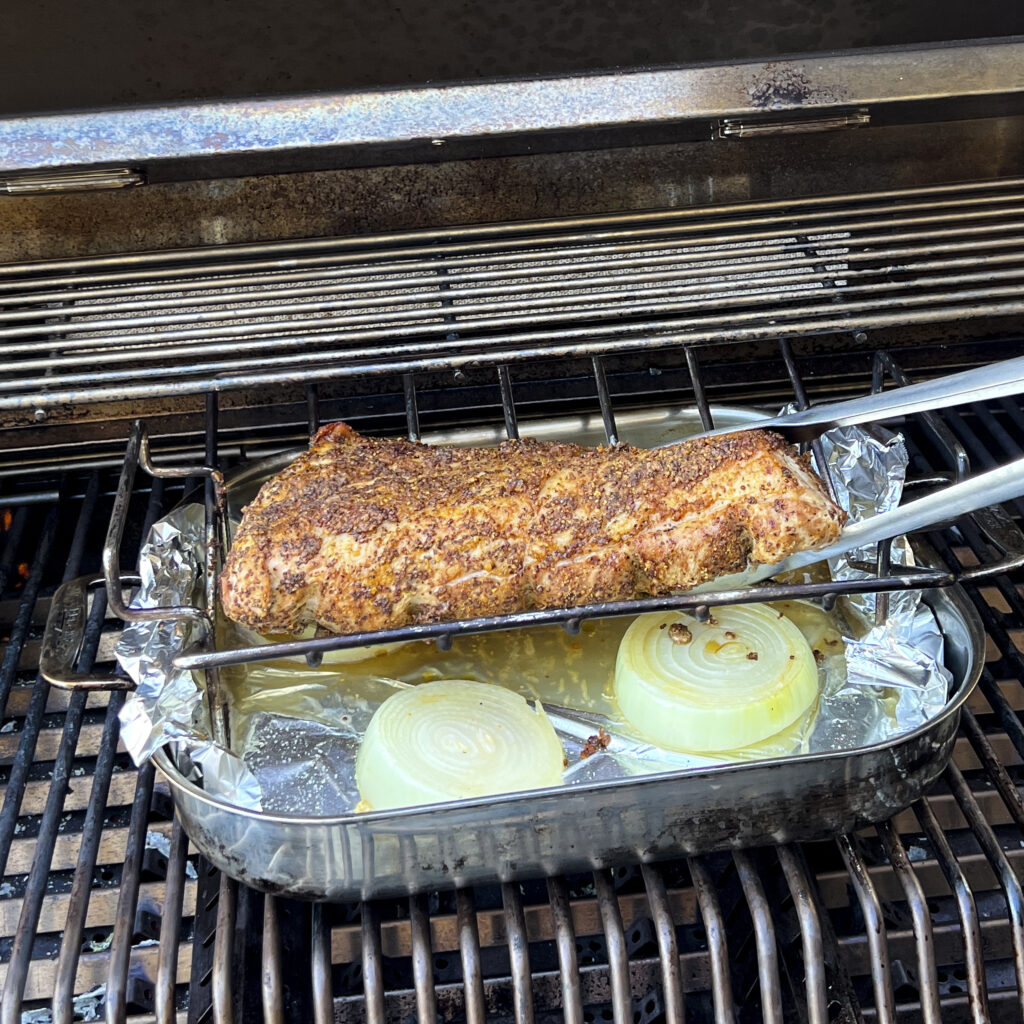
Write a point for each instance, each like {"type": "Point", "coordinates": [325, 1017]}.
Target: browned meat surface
{"type": "Point", "coordinates": [364, 533]}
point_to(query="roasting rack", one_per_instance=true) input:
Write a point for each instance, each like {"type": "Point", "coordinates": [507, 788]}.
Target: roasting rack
{"type": "Point", "coordinates": [63, 638]}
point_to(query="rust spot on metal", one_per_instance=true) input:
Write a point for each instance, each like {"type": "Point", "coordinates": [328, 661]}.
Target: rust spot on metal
{"type": "Point", "coordinates": [778, 86]}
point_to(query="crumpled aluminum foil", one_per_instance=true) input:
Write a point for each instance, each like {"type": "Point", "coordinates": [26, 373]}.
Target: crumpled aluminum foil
{"type": "Point", "coordinates": [167, 703]}
{"type": "Point", "coordinates": [299, 751]}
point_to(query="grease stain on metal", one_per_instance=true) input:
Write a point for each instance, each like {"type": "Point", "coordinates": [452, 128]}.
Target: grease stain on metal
{"type": "Point", "coordinates": [779, 86]}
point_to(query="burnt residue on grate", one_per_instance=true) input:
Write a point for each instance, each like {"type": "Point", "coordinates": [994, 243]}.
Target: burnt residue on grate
{"type": "Point", "coordinates": [780, 85]}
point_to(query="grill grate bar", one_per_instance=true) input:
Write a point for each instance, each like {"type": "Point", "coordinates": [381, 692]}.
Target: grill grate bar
{"type": "Point", "coordinates": [104, 360]}
{"type": "Point", "coordinates": [373, 965]}
{"type": "Point", "coordinates": [273, 1003]}
{"type": "Point", "coordinates": [742, 263]}
{"type": "Point", "coordinates": [810, 934]}
{"type": "Point", "coordinates": [92, 830]}
{"type": "Point", "coordinates": [124, 922]}
{"type": "Point", "coordinates": [928, 982]}
{"type": "Point", "coordinates": [518, 954]}
{"type": "Point", "coordinates": [764, 938]}
{"type": "Point", "coordinates": [966, 908]}
{"type": "Point", "coordinates": [422, 961]}
{"type": "Point", "coordinates": [321, 968]}
{"type": "Point", "coordinates": [718, 951]}
{"type": "Point", "coordinates": [565, 940]}
{"type": "Point", "coordinates": [125, 339]}
{"type": "Point", "coordinates": [615, 945]}
{"type": "Point", "coordinates": [867, 896]}
{"type": "Point", "coordinates": [1000, 865]}
{"type": "Point", "coordinates": [534, 238]}
{"type": "Point", "coordinates": [469, 954]}
{"type": "Point", "coordinates": [508, 406]}
{"type": "Point", "coordinates": [170, 925]}
{"type": "Point", "coordinates": [983, 748]}
{"type": "Point", "coordinates": [668, 947]}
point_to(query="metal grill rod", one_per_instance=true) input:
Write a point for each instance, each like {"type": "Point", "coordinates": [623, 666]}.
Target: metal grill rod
{"type": "Point", "coordinates": [885, 1003]}
{"type": "Point", "coordinates": [482, 238]}
{"type": "Point", "coordinates": [747, 261]}
{"type": "Point", "coordinates": [966, 908]}
{"type": "Point", "coordinates": [748, 286]}
{"type": "Point", "coordinates": [131, 349]}
{"type": "Point", "coordinates": [810, 935]}
{"type": "Point", "coordinates": [452, 356]}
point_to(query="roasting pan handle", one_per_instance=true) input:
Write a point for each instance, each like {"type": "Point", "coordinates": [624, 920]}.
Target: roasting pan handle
{"type": "Point", "coordinates": [65, 633]}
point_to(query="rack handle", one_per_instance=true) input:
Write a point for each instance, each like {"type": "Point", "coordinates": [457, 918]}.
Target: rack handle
{"type": "Point", "coordinates": [64, 635]}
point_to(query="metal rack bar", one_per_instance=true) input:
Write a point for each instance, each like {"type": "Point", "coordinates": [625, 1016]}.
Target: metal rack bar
{"type": "Point", "coordinates": [776, 256]}
{"type": "Point", "coordinates": [518, 953]}
{"type": "Point", "coordinates": [78, 905]}
{"type": "Point", "coordinates": [469, 954]}
{"type": "Point", "coordinates": [700, 399]}
{"type": "Point", "coordinates": [718, 950]}
{"type": "Point", "coordinates": [1000, 865]}
{"type": "Point", "coordinates": [209, 351]}
{"type": "Point", "coordinates": [422, 292]}
{"type": "Point", "coordinates": [668, 947]}
{"type": "Point", "coordinates": [508, 406]}
{"type": "Point", "coordinates": [605, 400]}
{"type": "Point", "coordinates": [810, 935]}
{"type": "Point", "coordinates": [313, 408]}
{"type": "Point", "coordinates": [373, 965]}
{"type": "Point", "coordinates": [412, 415]}
{"type": "Point", "coordinates": [128, 897]}
{"type": "Point", "coordinates": [565, 942]}
{"type": "Point", "coordinates": [966, 907]}
{"type": "Point", "coordinates": [867, 896]}
{"type": "Point", "coordinates": [994, 768]}
{"type": "Point", "coordinates": [21, 951]}
{"type": "Point", "coordinates": [331, 365]}
{"type": "Point", "coordinates": [273, 998]}
{"type": "Point", "coordinates": [223, 952]}
{"type": "Point", "coordinates": [455, 241]}
{"type": "Point", "coordinates": [927, 976]}
{"type": "Point", "coordinates": [422, 960]}
{"type": "Point", "coordinates": [170, 925]}
{"type": "Point", "coordinates": [764, 937]}
{"type": "Point", "coordinates": [321, 966]}
{"type": "Point", "coordinates": [934, 423]}
{"type": "Point", "coordinates": [564, 616]}
{"type": "Point", "coordinates": [615, 944]}
{"type": "Point", "coordinates": [802, 402]}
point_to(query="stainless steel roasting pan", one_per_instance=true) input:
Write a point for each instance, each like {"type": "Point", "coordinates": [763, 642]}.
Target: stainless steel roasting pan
{"type": "Point", "coordinates": [584, 826]}
{"type": "Point", "coordinates": [588, 826]}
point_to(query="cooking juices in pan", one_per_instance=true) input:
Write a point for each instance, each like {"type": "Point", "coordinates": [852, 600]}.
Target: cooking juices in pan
{"type": "Point", "coordinates": [572, 677]}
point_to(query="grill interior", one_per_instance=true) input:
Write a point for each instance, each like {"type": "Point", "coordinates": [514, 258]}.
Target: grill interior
{"type": "Point", "coordinates": [102, 899]}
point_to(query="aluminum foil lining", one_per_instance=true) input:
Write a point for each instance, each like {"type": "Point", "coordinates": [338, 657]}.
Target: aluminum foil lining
{"type": "Point", "coordinates": [295, 731]}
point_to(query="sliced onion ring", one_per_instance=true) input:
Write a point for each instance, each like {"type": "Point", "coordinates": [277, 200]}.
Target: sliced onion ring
{"type": "Point", "coordinates": [452, 739]}
{"type": "Point", "coordinates": [714, 686]}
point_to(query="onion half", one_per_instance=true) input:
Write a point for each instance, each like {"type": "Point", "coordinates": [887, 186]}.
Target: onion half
{"type": "Point", "coordinates": [735, 680]}
{"type": "Point", "coordinates": [452, 739]}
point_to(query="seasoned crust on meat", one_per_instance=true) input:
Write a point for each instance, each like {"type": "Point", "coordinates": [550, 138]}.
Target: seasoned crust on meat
{"type": "Point", "coordinates": [363, 533]}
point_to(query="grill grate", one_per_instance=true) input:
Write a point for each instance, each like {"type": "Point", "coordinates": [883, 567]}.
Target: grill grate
{"type": "Point", "coordinates": [169, 324]}
{"type": "Point", "coordinates": [920, 917]}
